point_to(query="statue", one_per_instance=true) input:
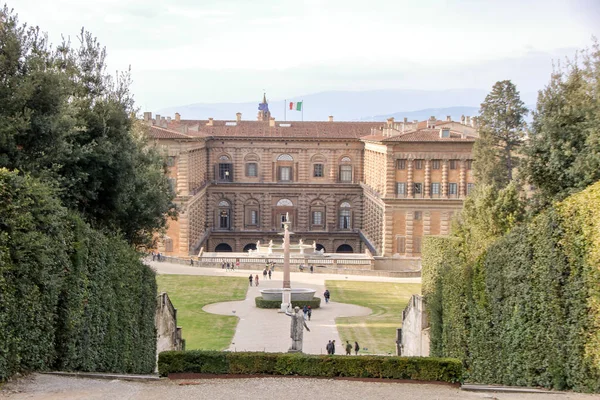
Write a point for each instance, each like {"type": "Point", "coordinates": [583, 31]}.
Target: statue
{"type": "Point", "coordinates": [271, 243]}
{"type": "Point", "coordinates": [300, 242]}
{"type": "Point", "coordinates": [296, 330]}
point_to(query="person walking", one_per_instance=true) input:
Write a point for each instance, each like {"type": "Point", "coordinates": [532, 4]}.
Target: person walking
{"type": "Point", "coordinates": [309, 312]}
{"type": "Point", "coordinates": [311, 269]}
{"type": "Point", "coordinates": [333, 346]}
{"type": "Point", "coordinates": [227, 266]}
{"type": "Point", "coordinates": [265, 273]}
{"type": "Point", "coordinates": [256, 279]}
{"type": "Point", "coordinates": [348, 348]}
{"type": "Point", "coordinates": [191, 262]}
{"type": "Point", "coordinates": [250, 279]}
{"type": "Point", "coordinates": [305, 311]}
{"type": "Point", "coordinates": [223, 265]}
{"type": "Point", "coordinates": [326, 295]}
{"type": "Point", "coordinates": [269, 274]}
{"type": "Point", "coordinates": [356, 348]}
{"type": "Point", "coordinates": [328, 347]}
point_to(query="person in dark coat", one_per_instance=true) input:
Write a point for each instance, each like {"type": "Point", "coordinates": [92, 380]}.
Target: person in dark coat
{"type": "Point", "coordinates": [333, 347]}
{"type": "Point", "coordinates": [356, 348]}
{"type": "Point", "coordinates": [328, 347]}
{"type": "Point", "coordinates": [309, 313]}
{"type": "Point", "coordinates": [348, 348]}
{"type": "Point", "coordinates": [326, 295]}
{"type": "Point", "coordinates": [250, 279]}
{"type": "Point", "coordinates": [269, 274]}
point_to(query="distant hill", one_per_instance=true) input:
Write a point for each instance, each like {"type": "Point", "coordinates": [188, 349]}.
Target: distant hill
{"type": "Point", "coordinates": [439, 113]}
{"type": "Point", "coordinates": [370, 105]}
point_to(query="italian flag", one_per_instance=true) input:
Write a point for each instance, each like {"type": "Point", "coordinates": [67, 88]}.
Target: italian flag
{"type": "Point", "coordinates": [296, 106]}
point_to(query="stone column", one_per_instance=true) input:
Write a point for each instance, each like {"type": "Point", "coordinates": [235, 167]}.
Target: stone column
{"type": "Point", "coordinates": [426, 223]}
{"type": "Point", "coordinates": [184, 242]}
{"type": "Point", "coordinates": [444, 223]}
{"type": "Point", "coordinates": [409, 179]}
{"type": "Point", "coordinates": [182, 174]}
{"type": "Point", "coordinates": [409, 232]}
{"type": "Point", "coordinates": [388, 228]}
{"type": "Point", "coordinates": [445, 179]}
{"type": "Point", "coordinates": [427, 182]}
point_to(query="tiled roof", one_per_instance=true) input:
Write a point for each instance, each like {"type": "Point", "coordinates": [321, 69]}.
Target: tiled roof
{"type": "Point", "coordinates": [156, 132]}
{"type": "Point", "coordinates": [421, 135]}
{"type": "Point", "coordinates": [290, 129]}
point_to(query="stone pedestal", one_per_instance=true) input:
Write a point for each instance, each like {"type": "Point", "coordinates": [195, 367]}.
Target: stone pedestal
{"type": "Point", "coordinates": [286, 300]}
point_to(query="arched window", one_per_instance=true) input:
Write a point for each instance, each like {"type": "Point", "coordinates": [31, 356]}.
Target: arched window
{"type": "Point", "coordinates": [224, 169]}
{"type": "Point", "coordinates": [224, 215]}
{"type": "Point", "coordinates": [285, 203]}
{"type": "Point", "coordinates": [285, 168]}
{"type": "Point", "coordinates": [251, 214]}
{"type": "Point", "coordinates": [318, 166]}
{"type": "Point", "coordinates": [345, 248]}
{"type": "Point", "coordinates": [345, 215]}
{"type": "Point", "coordinates": [223, 247]}
{"type": "Point", "coordinates": [251, 161]}
{"type": "Point", "coordinates": [345, 169]}
{"type": "Point", "coordinates": [249, 246]}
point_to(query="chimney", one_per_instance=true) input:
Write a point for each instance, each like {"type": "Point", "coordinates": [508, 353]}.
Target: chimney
{"type": "Point", "coordinates": [169, 120]}
{"type": "Point", "coordinates": [462, 119]}
{"type": "Point", "coordinates": [177, 117]}
{"type": "Point", "coordinates": [210, 122]}
{"type": "Point", "coordinates": [163, 122]}
{"type": "Point", "coordinates": [390, 121]}
{"type": "Point", "coordinates": [468, 120]}
{"type": "Point", "coordinates": [448, 118]}
{"type": "Point", "coordinates": [431, 122]}
{"type": "Point", "coordinates": [238, 117]}
{"type": "Point", "coordinates": [272, 122]}
{"type": "Point", "coordinates": [415, 121]}
{"type": "Point", "coordinates": [331, 118]}
{"type": "Point", "coordinates": [405, 120]}
{"type": "Point", "coordinates": [157, 118]}
{"type": "Point", "coordinates": [474, 122]}
{"type": "Point", "coordinates": [147, 116]}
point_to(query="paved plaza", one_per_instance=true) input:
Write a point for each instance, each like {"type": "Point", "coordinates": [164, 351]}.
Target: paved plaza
{"type": "Point", "coordinates": [266, 329]}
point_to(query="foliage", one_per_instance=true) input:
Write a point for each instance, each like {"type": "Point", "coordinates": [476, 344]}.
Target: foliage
{"type": "Point", "coordinates": [261, 303]}
{"type": "Point", "coordinates": [526, 304]}
{"type": "Point", "coordinates": [71, 297]}
{"type": "Point", "coordinates": [67, 122]}
{"type": "Point", "coordinates": [211, 362]}
{"type": "Point", "coordinates": [564, 147]}
{"type": "Point", "coordinates": [501, 130]}
{"type": "Point", "coordinates": [377, 331]}
{"type": "Point", "coordinates": [189, 294]}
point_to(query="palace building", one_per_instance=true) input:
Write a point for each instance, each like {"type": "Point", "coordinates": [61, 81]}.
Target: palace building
{"type": "Point", "coordinates": [351, 187]}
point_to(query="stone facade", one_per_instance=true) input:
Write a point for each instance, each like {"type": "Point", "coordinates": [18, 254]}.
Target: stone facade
{"type": "Point", "coordinates": [349, 186]}
{"type": "Point", "coordinates": [415, 329]}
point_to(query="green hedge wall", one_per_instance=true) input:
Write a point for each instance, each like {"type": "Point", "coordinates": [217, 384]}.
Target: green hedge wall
{"type": "Point", "coordinates": [261, 303]}
{"type": "Point", "coordinates": [214, 362]}
{"type": "Point", "coordinates": [71, 297]}
{"type": "Point", "coordinates": [527, 310]}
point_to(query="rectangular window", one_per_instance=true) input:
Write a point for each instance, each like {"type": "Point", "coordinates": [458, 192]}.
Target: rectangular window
{"type": "Point", "coordinates": [168, 245]}
{"type": "Point", "coordinates": [435, 164]}
{"type": "Point", "coordinates": [253, 217]}
{"type": "Point", "coordinates": [401, 164]}
{"type": "Point", "coordinates": [445, 133]}
{"type": "Point", "coordinates": [170, 161]}
{"type": "Point", "coordinates": [470, 187]}
{"type": "Point", "coordinates": [401, 245]}
{"type": "Point", "coordinates": [285, 173]}
{"type": "Point", "coordinates": [453, 164]}
{"type": "Point", "coordinates": [226, 172]}
{"type": "Point", "coordinates": [251, 169]}
{"type": "Point", "coordinates": [418, 189]}
{"type": "Point", "coordinates": [345, 219]}
{"type": "Point", "coordinates": [453, 189]}
{"type": "Point", "coordinates": [417, 244]}
{"type": "Point", "coordinates": [317, 218]}
{"type": "Point", "coordinates": [469, 164]}
{"type": "Point", "coordinates": [401, 188]}
{"type": "Point", "coordinates": [418, 215]}
{"type": "Point", "coordinates": [435, 189]}
{"type": "Point", "coordinates": [224, 219]}
{"type": "Point", "coordinates": [418, 164]}
{"type": "Point", "coordinates": [318, 171]}
{"type": "Point", "coordinates": [346, 173]}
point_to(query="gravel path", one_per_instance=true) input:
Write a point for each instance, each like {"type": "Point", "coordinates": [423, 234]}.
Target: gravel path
{"type": "Point", "coordinates": [49, 387]}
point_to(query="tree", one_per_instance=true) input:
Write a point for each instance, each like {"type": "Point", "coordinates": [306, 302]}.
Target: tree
{"type": "Point", "coordinates": [501, 131]}
{"type": "Point", "coordinates": [564, 147]}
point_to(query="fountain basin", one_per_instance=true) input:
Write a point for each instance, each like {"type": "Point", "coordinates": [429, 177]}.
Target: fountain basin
{"type": "Point", "coordinates": [298, 294]}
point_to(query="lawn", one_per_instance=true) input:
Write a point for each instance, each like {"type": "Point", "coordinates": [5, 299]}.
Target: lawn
{"type": "Point", "coordinates": [189, 294]}
{"type": "Point", "coordinates": [376, 332]}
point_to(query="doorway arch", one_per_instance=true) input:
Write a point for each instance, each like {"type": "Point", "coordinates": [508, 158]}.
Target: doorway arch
{"type": "Point", "coordinates": [249, 246]}
{"type": "Point", "coordinates": [345, 248]}
{"type": "Point", "coordinates": [320, 247]}
{"type": "Point", "coordinates": [224, 248]}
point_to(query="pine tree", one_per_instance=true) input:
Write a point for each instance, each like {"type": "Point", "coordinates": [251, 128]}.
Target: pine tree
{"type": "Point", "coordinates": [501, 132]}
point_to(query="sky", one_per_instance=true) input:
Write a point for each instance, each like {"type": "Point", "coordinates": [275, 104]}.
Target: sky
{"type": "Point", "coordinates": [199, 51]}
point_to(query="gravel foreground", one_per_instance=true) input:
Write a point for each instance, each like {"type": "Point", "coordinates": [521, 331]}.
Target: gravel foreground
{"type": "Point", "coordinates": [40, 386]}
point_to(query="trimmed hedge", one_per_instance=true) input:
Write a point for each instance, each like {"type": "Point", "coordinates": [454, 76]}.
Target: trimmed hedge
{"type": "Point", "coordinates": [261, 303]}
{"type": "Point", "coordinates": [250, 363]}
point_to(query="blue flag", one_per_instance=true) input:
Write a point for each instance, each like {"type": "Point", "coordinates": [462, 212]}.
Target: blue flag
{"type": "Point", "coordinates": [263, 107]}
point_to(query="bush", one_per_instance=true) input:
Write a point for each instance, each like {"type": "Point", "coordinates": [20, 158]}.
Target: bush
{"type": "Point", "coordinates": [262, 303]}
{"type": "Point", "coordinates": [250, 363]}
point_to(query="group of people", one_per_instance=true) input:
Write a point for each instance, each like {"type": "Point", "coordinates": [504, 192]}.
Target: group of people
{"type": "Point", "coordinates": [302, 266]}
{"type": "Point", "coordinates": [229, 266]}
{"type": "Point", "coordinates": [307, 312]}
{"type": "Point", "coordinates": [156, 256]}
{"type": "Point", "coordinates": [330, 347]}
{"type": "Point", "coordinates": [267, 271]}
{"type": "Point", "coordinates": [253, 279]}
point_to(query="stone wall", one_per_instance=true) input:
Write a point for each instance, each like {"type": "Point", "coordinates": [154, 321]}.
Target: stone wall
{"type": "Point", "coordinates": [415, 330]}
{"type": "Point", "coordinates": [168, 334]}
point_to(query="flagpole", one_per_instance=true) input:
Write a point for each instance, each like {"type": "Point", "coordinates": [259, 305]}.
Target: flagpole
{"type": "Point", "coordinates": [284, 103]}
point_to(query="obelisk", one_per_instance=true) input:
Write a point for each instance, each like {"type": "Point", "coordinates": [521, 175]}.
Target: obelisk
{"type": "Point", "coordinates": [286, 295]}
